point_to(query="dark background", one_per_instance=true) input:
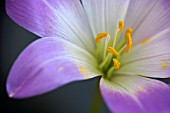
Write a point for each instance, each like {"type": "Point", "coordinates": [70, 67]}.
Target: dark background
{"type": "Point", "coordinates": [73, 98]}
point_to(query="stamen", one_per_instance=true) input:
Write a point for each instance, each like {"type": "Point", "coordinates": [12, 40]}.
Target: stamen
{"type": "Point", "coordinates": [116, 64]}
{"type": "Point", "coordinates": [112, 50]}
{"type": "Point", "coordinates": [129, 30]}
{"type": "Point", "coordinates": [118, 31]}
{"type": "Point", "coordinates": [121, 26]}
{"type": "Point", "coordinates": [106, 45]}
{"type": "Point", "coordinates": [100, 36]}
{"type": "Point", "coordinates": [129, 40]}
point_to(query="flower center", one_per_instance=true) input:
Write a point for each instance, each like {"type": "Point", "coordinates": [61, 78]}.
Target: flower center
{"type": "Point", "coordinates": [109, 49]}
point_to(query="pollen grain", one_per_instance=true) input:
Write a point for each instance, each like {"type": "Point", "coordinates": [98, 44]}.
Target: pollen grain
{"type": "Point", "coordinates": [145, 41]}
{"type": "Point", "coordinates": [83, 71]}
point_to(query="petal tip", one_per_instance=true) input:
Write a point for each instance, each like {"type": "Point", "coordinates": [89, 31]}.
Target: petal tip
{"type": "Point", "coordinates": [11, 95]}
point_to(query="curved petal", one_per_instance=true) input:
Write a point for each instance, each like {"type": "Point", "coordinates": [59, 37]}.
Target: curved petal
{"type": "Point", "coordinates": [151, 58]}
{"type": "Point", "coordinates": [135, 94]}
{"type": "Point", "coordinates": [48, 18]}
{"type": "Point", "coordinates": [49, 63]}
{"type": "Point", "coordinates": [147, 18]}
{"type": "Point", "coordinates": [104, 15]}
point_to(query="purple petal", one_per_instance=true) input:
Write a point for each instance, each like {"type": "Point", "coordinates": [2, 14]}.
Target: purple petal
{"type": "Point", "coordinates": [47, 64]}
{"type": "Point", "coordinates": [135, 94]}
{"type": "Point", "coordinates": [147, 18]}
{"type": "Point", "coordinates": [48, 18]}
{"type": "Point", "coordinates": [151, 59]}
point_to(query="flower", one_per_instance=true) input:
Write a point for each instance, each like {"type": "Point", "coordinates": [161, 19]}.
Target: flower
{"type": "Point", "coordinates": [125, 41]}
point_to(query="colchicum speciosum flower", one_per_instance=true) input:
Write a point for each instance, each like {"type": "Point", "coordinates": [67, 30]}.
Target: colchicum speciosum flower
{"type": "Point", "coordinates": [126, 42]}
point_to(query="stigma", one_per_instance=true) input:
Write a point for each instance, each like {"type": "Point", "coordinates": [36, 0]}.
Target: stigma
{"type": "Point", "coordinates": [110, 48]}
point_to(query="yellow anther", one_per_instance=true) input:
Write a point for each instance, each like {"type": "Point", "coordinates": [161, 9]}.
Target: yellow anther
{"type": "Point", "coordinates": [112, 50]}
{"type": "Point", "coordinates": [129, 30]}
{"type": "Point", "coordinates": [128, 40]}
{"type": "Point", "coordinates": [100, 36]}
{"type": "Point", "coordinates": [129, 43]}
{"type": "Point", "coordinates": [121, 26]}
{"type": "Point", "coordinates": [116, 64]}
